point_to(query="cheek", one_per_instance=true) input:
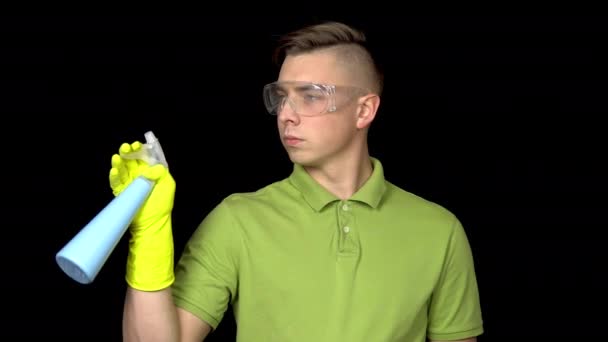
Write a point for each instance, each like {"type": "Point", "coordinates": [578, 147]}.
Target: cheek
{"type": "Point", "coordinates": [281, 125]}
{"type": "Point", "coordinates": [335, 132]}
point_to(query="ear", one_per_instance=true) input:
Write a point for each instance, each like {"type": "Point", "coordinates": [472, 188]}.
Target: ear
{"type": "Point", "coordinates": [368, 107]}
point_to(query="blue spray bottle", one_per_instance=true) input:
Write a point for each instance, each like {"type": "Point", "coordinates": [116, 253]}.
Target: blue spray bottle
{"type": "Point", "coordinates": [85, 254]}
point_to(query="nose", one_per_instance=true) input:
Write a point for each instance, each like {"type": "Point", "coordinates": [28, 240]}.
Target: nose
{"type": "Point", "coordinates": [287, 112]}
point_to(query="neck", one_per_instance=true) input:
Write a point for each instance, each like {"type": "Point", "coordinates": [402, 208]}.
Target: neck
{"type": "Point", "coordinates": [343, 177]}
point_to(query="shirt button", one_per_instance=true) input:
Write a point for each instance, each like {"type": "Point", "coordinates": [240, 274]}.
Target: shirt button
{"type": "Point", "coordinates": [345, 207]}
{"type": "Point", "coordinates": [346, 229]}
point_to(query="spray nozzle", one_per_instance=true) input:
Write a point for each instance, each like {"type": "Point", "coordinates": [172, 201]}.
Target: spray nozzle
{"type": "Point", "coordinates": [151, 152]}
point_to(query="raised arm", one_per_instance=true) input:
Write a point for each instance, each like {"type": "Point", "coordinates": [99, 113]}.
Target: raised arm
{"type": "Point", "coordinates": [149, 310]}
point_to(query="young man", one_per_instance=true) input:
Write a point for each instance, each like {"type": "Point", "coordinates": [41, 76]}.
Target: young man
{"type": "Point", "coordinates": [334, 252]}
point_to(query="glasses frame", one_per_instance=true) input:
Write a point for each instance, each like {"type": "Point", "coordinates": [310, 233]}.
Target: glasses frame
{"type": "Point", "coordinates": [330, 90]}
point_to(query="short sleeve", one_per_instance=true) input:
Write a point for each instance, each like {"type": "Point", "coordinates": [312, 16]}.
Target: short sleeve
{"type": "Point", "coordinates": [455, 311]}
{"type": "Point", "coordinates": [206, 273]}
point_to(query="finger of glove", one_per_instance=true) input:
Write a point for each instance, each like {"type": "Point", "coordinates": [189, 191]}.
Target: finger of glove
{"type": "Point", "coordinates": [118, 163]}
{"type": "Point", "coordinates": [155, 172]}
{"type": "Point", "coordinates": [115, 182]}
{"type": "Point", "coordinates": [118, 172]}
{"type": "Point", "coordinates": [132, 165]}
{"type": "Point", "coordinates": [129, 166]}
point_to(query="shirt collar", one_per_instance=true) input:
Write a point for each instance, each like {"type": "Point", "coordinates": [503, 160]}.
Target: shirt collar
{"type": "Point", "coordinates": [318, 197]}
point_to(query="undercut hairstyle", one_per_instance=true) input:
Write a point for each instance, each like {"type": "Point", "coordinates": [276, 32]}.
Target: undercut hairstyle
{"type": "Point", "coordinates": [349, 44]}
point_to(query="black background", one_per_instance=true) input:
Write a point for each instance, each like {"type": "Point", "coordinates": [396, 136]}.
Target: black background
{"type": "Point", "coordinates": [495, 117]}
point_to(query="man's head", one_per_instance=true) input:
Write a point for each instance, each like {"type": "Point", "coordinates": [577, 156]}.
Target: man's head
{"type": "Point", "coordinates": [348, 44]}
{"type": "Point", "coordinates": [327, 93]}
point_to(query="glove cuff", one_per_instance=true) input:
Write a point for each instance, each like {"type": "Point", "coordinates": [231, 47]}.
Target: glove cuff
{"type": "Point", "coordinates": [151, 257]}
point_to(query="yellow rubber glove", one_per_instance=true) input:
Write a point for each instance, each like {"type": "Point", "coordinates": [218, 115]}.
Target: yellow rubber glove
{"type": "Point", "coordinates": [150, 258]}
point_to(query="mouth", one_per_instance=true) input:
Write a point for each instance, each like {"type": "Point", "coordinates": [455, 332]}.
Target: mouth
{"type": "Point", "coordinates": [291, 140]}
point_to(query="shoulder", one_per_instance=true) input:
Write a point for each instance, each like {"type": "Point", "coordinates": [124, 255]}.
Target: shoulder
{"type": "Point", "coordinates": [414, 204]}
{"type": "Point", "coordinates": [239, 209]}
{"type": "Point", "coordinates": [429, 221]}
{"type": "Point", "coordinates": [421, 215]}
{"type": "Point", "coordinates": [270, 196]}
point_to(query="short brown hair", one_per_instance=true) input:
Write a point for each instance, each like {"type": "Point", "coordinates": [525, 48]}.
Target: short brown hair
{"type": "Point", "coordinates": [349, 42]}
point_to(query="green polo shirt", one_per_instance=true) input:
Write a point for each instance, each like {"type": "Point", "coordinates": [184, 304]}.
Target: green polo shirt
{"type": "Point", "coordinates": [298, 264]}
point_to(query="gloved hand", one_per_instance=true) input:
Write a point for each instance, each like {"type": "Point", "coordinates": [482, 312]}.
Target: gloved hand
{"type": "Point", "coordinates": [150, 258]}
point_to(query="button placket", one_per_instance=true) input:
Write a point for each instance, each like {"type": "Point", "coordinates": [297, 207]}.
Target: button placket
{"type": "Point", "coordinates": [348, 240]}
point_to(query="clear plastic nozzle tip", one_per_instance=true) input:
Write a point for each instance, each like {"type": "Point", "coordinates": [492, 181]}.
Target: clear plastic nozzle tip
{"type": "Point", "coordinates": [151, 152]}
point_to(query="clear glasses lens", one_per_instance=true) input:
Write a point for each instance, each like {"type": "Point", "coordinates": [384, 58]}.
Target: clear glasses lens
{"type": "Point", "coordinates": [306, 99]}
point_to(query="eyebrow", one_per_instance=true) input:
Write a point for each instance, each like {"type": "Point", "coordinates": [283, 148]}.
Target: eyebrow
{"type": "Point", "coordinates": [301, 88]}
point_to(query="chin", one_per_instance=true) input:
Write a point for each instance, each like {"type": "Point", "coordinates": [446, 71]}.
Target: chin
{"type": "Point", "coordinates": [302, 158]}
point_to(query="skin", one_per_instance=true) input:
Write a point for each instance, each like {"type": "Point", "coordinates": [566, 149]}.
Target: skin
{"type": "Point", "coordinates": [333, 147]}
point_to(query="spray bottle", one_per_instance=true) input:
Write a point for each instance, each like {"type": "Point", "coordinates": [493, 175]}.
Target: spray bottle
{"type": "Point", "coordinates": [85, 254]}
